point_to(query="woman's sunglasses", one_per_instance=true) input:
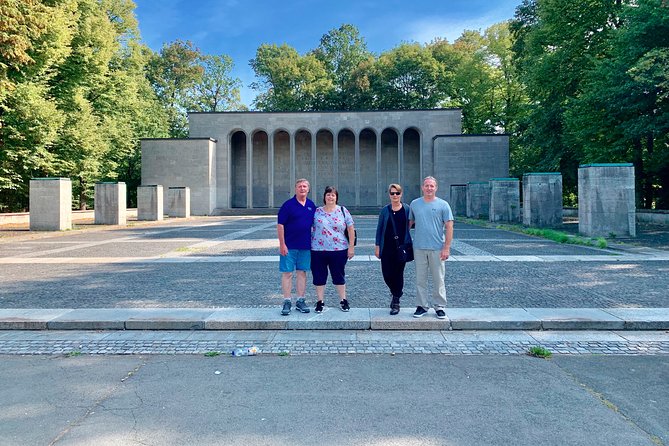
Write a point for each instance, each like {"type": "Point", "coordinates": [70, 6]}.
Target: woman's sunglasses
{"type": "Point", "coordinates": [395, 193]}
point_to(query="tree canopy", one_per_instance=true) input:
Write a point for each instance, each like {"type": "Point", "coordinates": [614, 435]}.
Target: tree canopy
{"type": "Point", "coordinates": [571, 81]}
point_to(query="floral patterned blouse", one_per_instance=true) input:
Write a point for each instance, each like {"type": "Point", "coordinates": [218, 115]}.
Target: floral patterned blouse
{"type": "Point", "coordinates": [329, 230]}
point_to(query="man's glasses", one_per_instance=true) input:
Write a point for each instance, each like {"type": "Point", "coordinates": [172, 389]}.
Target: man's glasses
{"type": "Point", "coordinates": [395, 193]}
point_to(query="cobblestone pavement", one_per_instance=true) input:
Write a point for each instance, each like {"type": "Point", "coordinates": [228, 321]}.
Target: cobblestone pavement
{"type": "Point", "coordinates": [232, 262]}
{"type": "Point", "coordinates": [328, 342]}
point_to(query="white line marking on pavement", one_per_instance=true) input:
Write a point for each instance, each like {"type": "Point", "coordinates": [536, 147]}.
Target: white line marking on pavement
{"type": "Point", "coordinates": [359, 258]}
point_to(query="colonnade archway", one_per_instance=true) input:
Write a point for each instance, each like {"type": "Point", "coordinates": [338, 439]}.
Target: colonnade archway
{"type": "Point", "coordinates": [265, 165]}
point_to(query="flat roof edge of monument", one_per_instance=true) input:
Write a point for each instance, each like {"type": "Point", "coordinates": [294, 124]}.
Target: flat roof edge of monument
{"type": "Point", "coordinates": [607, 165]}
{"type": "Point", "coordinates": [460, 135]}
{"type": "Point", "coordinates": [326, 111]}
{"type": "Point", "coordinates": [204, 138]}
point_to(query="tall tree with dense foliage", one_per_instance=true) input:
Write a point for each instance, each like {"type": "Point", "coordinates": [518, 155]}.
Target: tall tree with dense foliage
{"type": "Point", "coordinates": [622, 113]}
{"type": "Point", "coordinates": [76, 99]}
{"type": "Point", "coordinates": [217, 90]}
{"type": "Point", "coordinates": [34, 38]}
{"type": "Point", "coordinates": [557, 43]}
{"type": "Point", "coordinates": [342, 51]}
{"type": "Point", "coordinates": [174, 72]}
{"type": "Point", "coordinates": [597, 79]}
{"type": "Point", "coordinates": [289, 81]}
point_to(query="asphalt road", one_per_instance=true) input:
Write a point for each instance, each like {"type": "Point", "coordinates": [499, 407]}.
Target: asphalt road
{"type": "Point", "coordinates": [334, 399]}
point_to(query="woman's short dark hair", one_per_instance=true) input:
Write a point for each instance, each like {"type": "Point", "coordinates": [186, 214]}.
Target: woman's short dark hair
{"type": "Point", "coordinates": [333, 190]}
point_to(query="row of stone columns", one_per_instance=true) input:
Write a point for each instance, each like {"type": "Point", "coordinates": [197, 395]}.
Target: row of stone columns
{"type": "Point", "coordinates": [606, 200]}
{"type": "Point", "coordinates": [51, 203]}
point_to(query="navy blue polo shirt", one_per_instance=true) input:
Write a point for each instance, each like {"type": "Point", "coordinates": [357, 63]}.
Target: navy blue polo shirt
{"type": "Point", "coordinates": [297, 220]}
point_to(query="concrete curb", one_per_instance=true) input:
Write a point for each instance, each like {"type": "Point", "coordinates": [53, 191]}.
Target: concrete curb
{"type": "Point", "coordinates": [333, 319]}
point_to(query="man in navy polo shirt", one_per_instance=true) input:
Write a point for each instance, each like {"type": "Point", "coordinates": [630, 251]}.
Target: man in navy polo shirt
{"type": "Point", "coordinates": [294, 231]}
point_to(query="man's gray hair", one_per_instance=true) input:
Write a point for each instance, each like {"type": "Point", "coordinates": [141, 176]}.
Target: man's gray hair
{"type": "Point", "coordinates": [429, 177]}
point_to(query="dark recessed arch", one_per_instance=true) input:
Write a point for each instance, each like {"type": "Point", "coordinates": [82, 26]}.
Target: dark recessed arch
{"type": "Point", "coordinates": [238, 169]}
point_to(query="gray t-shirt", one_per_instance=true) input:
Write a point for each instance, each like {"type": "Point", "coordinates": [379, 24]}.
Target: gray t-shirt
{"type": "Point", "coordinates": [429, 217]}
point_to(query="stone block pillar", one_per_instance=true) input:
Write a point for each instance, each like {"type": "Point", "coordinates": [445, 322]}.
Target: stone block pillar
{"type": "Point", "coordinates": [606, 200]}
{"type": "Point", "coordinates": [178, 202]}
{"type": "Point", "coordinates": [458, 200]}
{"type": "Point", "coordinates": [110, 208]}
{"type": "Point", "coordinates": [542, 199]}
{"type": "Point", "coordinates": [150, 202]}
{"type": "Point", "coordinates": [50, 204]}
{"type": "Point", "coordinates": [478, 199]}
{"type": "Point", "coordinates": [505, 200]}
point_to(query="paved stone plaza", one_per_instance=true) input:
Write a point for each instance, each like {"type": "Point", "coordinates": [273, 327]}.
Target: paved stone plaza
{"type": "Point", "coordinates": [211, 277]}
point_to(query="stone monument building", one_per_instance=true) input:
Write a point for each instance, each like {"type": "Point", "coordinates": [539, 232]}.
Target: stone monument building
{"type": "Point", "coordinates": [252, 159]}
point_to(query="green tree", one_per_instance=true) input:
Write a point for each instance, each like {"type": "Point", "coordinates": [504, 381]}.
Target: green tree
{"type": "Point", "coordinates": [34, 38]}
{"type": "Point", "coordinates": [407, 77]}
{"type": "Point", "coordinates": [289, 81]}
{"type": "Point", "coordinates": [556, 43]}
{"type": "Point", "coordinates": [341, 51]}
{"type": "Point", "coordinates": [217, 90]}
{"type": "Point", "coordinates": [622, 111]}
{"type": "Point", "coordinates": [173, 73]}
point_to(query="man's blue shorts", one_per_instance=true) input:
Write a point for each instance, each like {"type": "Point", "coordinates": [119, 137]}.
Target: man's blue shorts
{"type": "Point", "coordinates": [296, 259]}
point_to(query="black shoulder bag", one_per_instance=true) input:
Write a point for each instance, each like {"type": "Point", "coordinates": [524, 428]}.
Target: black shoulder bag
{"type": "Point", "coordinates": [355, 231]}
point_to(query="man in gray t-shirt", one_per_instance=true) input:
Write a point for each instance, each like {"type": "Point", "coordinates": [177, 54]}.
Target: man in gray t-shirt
{"type": "Point", "coordinates": [432, 219]}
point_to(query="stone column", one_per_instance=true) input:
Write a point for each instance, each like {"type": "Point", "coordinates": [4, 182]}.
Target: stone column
{"type": "Point", "coordinates": [356, 139]}
{"type": "Point", "coordinates": [606, 200]}
{"type": "Point", "coordinates": [109, 204]}
{"type": "Point", "coordinates": [178, 202]}
{"type": "Point", "coordinates": [458, 200]}
{"type": "Point", "coordinates": [270, 168]}
{"type": "Point", "coordinates": [504, 200]}
{"type": "Point", "coordinates": [50, 204]}
{"type": "Point", "coordinates": [249, 171]}
{"type": "Point", "coordinates": [478, 199]}
{"type": "Point", "coordinates": [379, 186]}
{"type": "Point", "coordinates": [542, 199]}
{"type": "Point", "coordinates": [150, 202]}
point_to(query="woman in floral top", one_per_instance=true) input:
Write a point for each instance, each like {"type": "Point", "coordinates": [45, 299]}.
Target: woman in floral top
{"type": "Point", "coordinates": [330, 248]}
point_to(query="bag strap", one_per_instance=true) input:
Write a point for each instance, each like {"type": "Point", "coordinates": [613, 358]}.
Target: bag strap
{"type": "Point", "coordinates": [341, 208]}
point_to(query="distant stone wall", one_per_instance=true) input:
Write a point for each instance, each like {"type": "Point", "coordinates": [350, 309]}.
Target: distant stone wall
{"type": "Point", "coordinates": [460, 159]}
{"type": "Point", "coordinates": [182, 163]}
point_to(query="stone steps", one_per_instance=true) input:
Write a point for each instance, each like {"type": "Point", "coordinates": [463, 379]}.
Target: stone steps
{"type": "Point", "coordinates": [334, 319]}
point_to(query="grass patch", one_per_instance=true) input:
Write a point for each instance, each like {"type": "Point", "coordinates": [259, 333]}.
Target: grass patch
{"type": "Point", "coordinates": [539, 352]}
{"type": "Point", "coordinates": [212, 354]}
{"type": "Point", "coordinates": [283, 353]}
{"type": "Point", "coordinates": [74, 354]}
{"type": "Point", "coordinates": [550, 234]}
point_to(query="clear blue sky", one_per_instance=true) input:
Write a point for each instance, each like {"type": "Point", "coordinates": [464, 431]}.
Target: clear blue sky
{"type": "Point", "coordinates": [238, 27]}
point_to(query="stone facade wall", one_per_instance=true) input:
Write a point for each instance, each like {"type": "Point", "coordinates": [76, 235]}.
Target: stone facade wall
{"type": "Point", "coordinates": [183, 163]}
{"type": "Point", "coordinates": [252, 159]}
{"type": "Point", "coordinates": [461, 159]}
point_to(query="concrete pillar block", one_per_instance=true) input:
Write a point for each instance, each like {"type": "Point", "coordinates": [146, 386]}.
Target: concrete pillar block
{"type": "Point", "coordinates": [150, 202]}
{"type": "Point", "coordinates": [504, 200]}
{"type": "Point", "coordinates": [50, 204]}
{"type": "Point", "coordinates": [178, 202]}
{"type": "Point", "coordinates": [606, 200]}
{"type": "Point", "coordinates": [458, 199]}
{"type": "Point", "coordinates": [110, 208]}
{"type": "Point", "coordinates": [478, 199]}
{"type": "Point", "coordinates": [542, 199]}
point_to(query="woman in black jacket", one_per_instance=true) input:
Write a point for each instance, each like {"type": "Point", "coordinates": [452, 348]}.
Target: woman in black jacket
{"type": "Point", "coordinates": [388, 238]}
